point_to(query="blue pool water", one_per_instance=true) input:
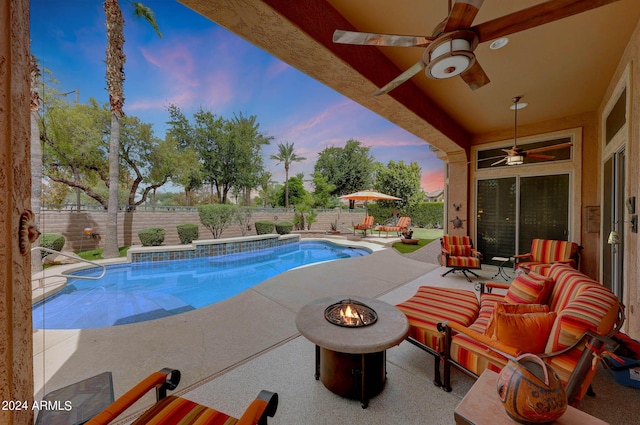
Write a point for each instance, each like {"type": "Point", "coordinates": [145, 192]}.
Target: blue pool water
{"type": "Point", "coordinates": [136, 292]}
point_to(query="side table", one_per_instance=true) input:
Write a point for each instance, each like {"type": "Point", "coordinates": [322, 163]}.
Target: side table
{"type": "Point", "coordinates": [481, 406]}
{"type": "Point", "coordinates": [501, 272]}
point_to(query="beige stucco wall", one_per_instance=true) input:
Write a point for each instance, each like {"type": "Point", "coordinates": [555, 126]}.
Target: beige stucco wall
{"type": "Point", "coordinates": [16, 370]}
{"type": "Point", "coordinates": [631, 279]}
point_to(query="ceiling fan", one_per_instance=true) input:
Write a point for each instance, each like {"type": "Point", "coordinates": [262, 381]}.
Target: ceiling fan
{"type": "Point", "coordinates": [516, 155]}
{"type": "Point", "coordinates": [449, 50]}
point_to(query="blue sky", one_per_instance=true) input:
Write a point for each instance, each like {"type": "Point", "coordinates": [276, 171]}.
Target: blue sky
{"type": "Point", "coordinates": [200, 64]}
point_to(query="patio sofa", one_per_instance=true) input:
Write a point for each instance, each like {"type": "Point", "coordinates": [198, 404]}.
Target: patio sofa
{"type": "Point", "coordinates": [565, 317]}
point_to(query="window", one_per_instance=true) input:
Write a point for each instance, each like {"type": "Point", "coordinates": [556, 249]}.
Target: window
{"type": "Point", "coordinates": [514, 210]}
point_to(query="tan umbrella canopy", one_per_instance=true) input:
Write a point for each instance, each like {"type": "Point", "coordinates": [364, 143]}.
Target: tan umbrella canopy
{"type": "Point", "coordinates": [369, 195]}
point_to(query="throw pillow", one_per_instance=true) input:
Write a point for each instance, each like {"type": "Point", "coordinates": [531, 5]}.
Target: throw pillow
{"type": "Point", "coordinates": [529, 288]}
{"type": "Point", "coordinates": [527, 332]}
{"type": "Point", "coordinates": [502, 307]}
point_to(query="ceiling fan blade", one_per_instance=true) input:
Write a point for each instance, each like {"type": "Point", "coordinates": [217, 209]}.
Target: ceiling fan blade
{"type": "Point", "coordinates": [499, 162]}
{"type": "Point", "coordinates": [475, 77]}
{"type": "Point", "coordinates": [534, 16]}
{"type": "Point", "coordinates": [537, 156]}
{"type": "Point", "coordinates": [370, 39]}
{"type": "Point", "coordinates": [549, 148]}
{"type": "Point", "coordinates": [419, 66]}
{"type": "Point", "coordinates": [462, 14]}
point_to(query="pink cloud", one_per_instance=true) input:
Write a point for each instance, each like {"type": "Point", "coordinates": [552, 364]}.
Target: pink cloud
{"type": "Point", "coordinates": [432, 180]}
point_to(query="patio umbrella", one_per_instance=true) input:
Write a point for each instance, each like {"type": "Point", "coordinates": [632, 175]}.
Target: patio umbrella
{"type": "Point", "coordinates": [369, 195]}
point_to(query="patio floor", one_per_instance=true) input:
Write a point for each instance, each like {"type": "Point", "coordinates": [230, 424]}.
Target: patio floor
{"type": "Point", "coordinates": [229, 351]}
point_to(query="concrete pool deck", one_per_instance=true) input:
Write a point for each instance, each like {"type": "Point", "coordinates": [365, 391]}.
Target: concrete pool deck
{"type": "Point", "coordinates": [229, 351]}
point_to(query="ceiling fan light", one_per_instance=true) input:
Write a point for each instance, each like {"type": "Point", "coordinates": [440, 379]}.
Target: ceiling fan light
{"type": "Point", "coordinates": [515, 160]}
{"type": "Point", "coordinates": [449, 59]}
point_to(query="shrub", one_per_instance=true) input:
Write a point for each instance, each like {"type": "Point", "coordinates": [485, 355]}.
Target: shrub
{"type": "Point", "coordinates": [284, 227]}
{"type": "Point", "coordinates": [187, 232]}
{"type": "Point", "coordinates": [264, 227]}
{"type": "Point", "coordinates": [53, 241]}
{"type": "Point", "coordinates": [217, 217]}
{"type": "Point", "coordinates": [152, 236]}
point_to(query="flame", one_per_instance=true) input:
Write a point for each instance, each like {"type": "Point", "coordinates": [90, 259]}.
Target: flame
{"type": "Point", "coordinates": [349, 315]}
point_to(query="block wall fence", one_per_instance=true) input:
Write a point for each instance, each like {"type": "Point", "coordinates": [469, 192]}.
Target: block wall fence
{"type": "Point", "coordinates": [72, 225]}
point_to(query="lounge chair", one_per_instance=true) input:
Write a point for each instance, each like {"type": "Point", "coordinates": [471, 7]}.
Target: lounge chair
{"type": "Point", "coordinates": [458, 254]}
{"type": "Point", "coordinates": [367, 223]}
{"type": "Point", "coordinates": [402, 225]}
{"type": "Point", "coordinates": [174, 410]}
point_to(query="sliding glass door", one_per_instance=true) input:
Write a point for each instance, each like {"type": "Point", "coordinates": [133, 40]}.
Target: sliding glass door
{"type": "Point", "coordinates": [512, 211]}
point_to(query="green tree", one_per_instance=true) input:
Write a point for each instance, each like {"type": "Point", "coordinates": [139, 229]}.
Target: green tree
{"type": "Point", "coordinates": [115, 86]}
{"type": "Point", "coordinates": [286, 155]}
{"type": "Point", "coordinates": [322, 196]}
{"type": "Point", "coordinates": [230, 151]}
{"type": "Point", "coordinates": [297, 193]}
{"type": "Point", "coordinates": [349, 169]}
{"type": "Point", "coordinates": [401, 180]}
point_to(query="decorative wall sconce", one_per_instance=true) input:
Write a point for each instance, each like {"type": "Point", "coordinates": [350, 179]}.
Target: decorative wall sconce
{"type": "Point", "coordinates": [614, 238]}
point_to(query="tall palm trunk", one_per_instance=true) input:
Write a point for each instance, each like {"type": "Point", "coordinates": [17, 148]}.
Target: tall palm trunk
{"type": "Point", "coordinates": [286, 187]}
{"type": "Point", "coordinates": [115, 79]}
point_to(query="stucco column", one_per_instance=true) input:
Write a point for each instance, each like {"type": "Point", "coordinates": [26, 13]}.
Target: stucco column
{"type": "Point", "coordinates": [16, 349]}
{"type": "Point", "coordinates": [456, 209]}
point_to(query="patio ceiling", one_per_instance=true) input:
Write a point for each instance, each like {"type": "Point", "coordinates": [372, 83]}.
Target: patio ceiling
{"type": "Point", "coordinates": [561, 68]}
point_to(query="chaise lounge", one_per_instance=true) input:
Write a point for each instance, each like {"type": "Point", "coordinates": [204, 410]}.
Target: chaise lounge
{"type": "Point", "coordinates": [402, 225]}
{"type": "Point", "coordinates": [367, 223]}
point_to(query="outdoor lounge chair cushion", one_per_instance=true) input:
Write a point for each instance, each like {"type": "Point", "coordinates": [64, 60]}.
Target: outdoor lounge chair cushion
{"type": "Point", "coordinates": [529, 289]}
{"type": "Point", "coordinates": [545, 252]}
{"type": "Point", "coordinates": [402, 225]}
{"type": "Point", "coordinates": [431, 305]}
{"type": "Point", "coordinates": [366, 224]}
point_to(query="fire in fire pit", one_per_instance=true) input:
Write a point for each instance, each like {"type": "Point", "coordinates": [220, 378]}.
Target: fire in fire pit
{"type": "Point", "coordinates": [350, 313]}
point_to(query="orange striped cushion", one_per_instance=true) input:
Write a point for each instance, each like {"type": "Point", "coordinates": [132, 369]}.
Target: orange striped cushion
{"type": "Point", "coordinates": [529, 288]}
{"type": "Point", "coordinates": [568, 283]}
{"type": "Point", "coordinates": [430, 305]}
{"type": "Point", "coordinates": [449, 240]}
{"type": "Point", "coordinates": [463, 262]}
{"type": "Point", "coordinates": [548, 251]}
{"type": "Point", "coordinates": [179, 411]}
{"type": "Point", "coordinates": [595, 309]}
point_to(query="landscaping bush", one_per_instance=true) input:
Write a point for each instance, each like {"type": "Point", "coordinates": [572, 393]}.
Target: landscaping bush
{"type": "Point", "coordinates": [187, 232]}
{"type": "Point", "coordinates": [264, 227]}
{"type": "Point", "coordinates": [53, 241]}
{"type": "Point", "coordinates": [217, 217]}
{"type": "Point", "coordinates": [284, 227]}
{"type": "Point", "coordinates": [152, 236]}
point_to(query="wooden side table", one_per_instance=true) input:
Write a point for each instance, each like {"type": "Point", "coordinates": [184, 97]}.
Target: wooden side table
{"type": "Point", "coordinates": [481, 406]}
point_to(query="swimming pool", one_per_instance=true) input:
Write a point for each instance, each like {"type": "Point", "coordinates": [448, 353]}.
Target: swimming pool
{"type": "Point", "coordinates": [137, 292]}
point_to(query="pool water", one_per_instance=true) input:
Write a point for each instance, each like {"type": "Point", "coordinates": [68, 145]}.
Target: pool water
{"type": "Point", "coordinates": [136, 292]}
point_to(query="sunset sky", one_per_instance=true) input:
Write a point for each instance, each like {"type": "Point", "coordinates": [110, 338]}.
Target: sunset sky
{"type": "Point", "coordinates": [200, 64]}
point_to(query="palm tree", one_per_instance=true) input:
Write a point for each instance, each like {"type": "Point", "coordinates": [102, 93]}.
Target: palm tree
{"type": "Point", "coordinates": [286, 155]}
{"type": "Point", "coordinates": [115, 79]}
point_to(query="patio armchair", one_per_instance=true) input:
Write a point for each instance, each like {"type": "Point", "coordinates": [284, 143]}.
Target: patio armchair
{"type": "Point", "coordinates": [177, 410]}
{"type": "Point", "coordinates": [402, 225]}
{"type": "Point", "coordinates": [545, 252]}
{"type": "Point", "coordinates": [367, 223]}
{"type": "Point", "coordinates": [458, 254]}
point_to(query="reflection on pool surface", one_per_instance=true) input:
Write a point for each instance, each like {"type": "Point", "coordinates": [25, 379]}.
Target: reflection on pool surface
{"type": "Point", "coordinates": [136, 292]}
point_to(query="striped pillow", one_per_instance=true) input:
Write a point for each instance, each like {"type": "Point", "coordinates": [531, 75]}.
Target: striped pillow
{"type": "Point", "coordinates": [529, 288]}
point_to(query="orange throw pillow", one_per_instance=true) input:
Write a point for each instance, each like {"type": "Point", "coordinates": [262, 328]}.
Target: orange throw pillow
{"type": "Point", "coordinates": [527, 332]}
{"type": "Point", "coordinates": [529, 288]}
{"type": "Point", "coordinates": [502, 307]}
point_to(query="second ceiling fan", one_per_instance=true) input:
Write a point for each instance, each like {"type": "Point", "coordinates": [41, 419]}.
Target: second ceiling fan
{"type": "Point", "coordinates": [449, 49]}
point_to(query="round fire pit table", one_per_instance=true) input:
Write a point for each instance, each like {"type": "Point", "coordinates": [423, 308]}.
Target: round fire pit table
{"type": "Point", "coordinates": [351, 361]}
